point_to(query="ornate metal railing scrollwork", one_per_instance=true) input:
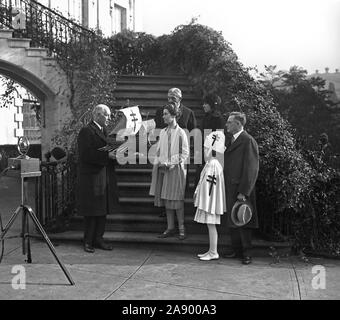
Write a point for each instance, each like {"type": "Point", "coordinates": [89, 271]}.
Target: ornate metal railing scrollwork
{"type": "Point", "coordinates": [45, 27]}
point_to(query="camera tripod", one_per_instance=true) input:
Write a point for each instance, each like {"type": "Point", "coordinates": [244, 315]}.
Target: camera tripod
{"type": "Point", "coordinates": [27, 212]}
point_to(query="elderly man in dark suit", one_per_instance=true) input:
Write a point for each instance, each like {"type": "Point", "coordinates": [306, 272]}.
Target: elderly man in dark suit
{"type": "Point", "coordinates": [97, 184]}
{"type": "Point", "coordinates": [241, 167]}
{"type": "Point", "coordinates": [186, 118]}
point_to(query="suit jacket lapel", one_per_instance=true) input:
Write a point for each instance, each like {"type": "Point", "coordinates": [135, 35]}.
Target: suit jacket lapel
{"type": "Point", "coordinates": [97, 131]}
{"type": "Point", "coordinates": [237, 142]}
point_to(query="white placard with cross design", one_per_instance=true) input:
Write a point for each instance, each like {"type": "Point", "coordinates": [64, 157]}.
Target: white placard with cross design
{"type": "Point", "coordinates": [215, 141]}
{"type": "Point", "coordinates": [133, 120]}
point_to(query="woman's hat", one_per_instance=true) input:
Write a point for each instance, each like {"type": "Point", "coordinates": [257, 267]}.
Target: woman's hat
{"type": "Point", "coordinates": [241, 213]}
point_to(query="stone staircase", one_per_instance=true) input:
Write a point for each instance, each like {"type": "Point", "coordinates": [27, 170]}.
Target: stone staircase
{"type": "Point", "coordinates": [150, 92]}
{"type": "Point", "coordinates": [136, 212]}
{"type": "Point", "coordinates": [23, 46]}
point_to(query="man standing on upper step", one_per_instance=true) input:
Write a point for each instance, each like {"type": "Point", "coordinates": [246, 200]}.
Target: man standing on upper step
{"type": "Point", "coordinates": [186, 118]}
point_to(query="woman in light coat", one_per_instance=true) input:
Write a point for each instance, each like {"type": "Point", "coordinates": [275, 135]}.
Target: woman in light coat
{"type": "Point", "coordinates": [169, 172]}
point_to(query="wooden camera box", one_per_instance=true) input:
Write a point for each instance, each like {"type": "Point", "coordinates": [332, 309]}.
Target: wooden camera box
{"type": "Point", "coordinates": [26, 167]}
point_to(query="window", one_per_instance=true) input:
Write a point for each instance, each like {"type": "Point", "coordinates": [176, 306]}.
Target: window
{"type": "Point", "coordinates": [119, 18]}
{"type": "Point", "coordinates": [30, 124]}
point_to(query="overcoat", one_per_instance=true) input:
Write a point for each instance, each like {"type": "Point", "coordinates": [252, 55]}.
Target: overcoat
{"type": "Point", "coordinates": [97, 183]}
{"type": "Point", "coordinates": [241, 167]}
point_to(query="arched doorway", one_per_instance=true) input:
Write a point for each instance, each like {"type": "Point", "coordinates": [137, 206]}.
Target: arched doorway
{"type": "Point", "coordinates": [48, 90]}
{"type": "Point", "coordinates": [20, 115]}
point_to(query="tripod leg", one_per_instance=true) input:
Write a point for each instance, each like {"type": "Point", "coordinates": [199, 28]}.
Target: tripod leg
{"type": "Point", "coordinates": [23, 231]}
{"type": "Point", "coordinates": [49, 243]}
{"type": "Point", "coordinates": [27, 240]}
{"type": "Point", "coordinates": [10, 223]}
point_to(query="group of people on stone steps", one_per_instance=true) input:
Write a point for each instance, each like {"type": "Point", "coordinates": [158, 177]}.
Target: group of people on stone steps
{"type": "Point", "coordinates": [225, 181]}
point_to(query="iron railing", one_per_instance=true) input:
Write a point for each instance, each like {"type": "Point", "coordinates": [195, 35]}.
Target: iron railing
{"type": "Point", "coordinates": [45, 27]}
{"type": "Point", "coordinates": [56, 194]}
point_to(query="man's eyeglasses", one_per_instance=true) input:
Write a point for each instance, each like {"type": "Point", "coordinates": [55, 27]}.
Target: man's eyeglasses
{"type": "Point", "coordinates": [173, 99]}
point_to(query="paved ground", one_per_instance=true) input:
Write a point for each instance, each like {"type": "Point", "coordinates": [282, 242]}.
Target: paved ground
{"type": "Point", "coordinates": [146, 273]}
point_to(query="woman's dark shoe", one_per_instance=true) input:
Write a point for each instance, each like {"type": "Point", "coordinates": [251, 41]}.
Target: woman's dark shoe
{"type": "Point", "coordinates": [247, 260]}
{"type": "Point", "coordinates": [182, 235]}
{"type": "Point", "coordinates": [167, 234]}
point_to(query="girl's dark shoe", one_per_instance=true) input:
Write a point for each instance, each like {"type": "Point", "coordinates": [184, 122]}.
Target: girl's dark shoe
{"type": "Point", "coordinates": [167, 234]}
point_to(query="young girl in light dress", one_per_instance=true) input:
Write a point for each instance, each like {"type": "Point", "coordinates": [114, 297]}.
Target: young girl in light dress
{"type": "Point", "coordinates": [209, 197]}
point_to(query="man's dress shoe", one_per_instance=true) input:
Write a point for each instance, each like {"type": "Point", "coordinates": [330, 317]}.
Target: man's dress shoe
{"type": "Point", "coordinates": [88, 248]}
{"type": "Point", "coordinates": [247, 260]}
{"type": "Point", "coordinates": [230, 255]}
{"type": "Point", "coordinates": [104, 246]}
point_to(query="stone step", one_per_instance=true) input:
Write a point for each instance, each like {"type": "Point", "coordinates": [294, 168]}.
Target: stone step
{"type": "Point", "coordinates": [141, 222]}
{"type": "Point", "coordinates": [146, 202]}
{"type": "Point", "coordinates": [138, 181]}
{"type": "Point", "coordinates": [149, 109]}
{"type": "Point", "coordinates": [150, 95]}
{"type": "Point", "coordinates": [195, 243]}
{"type": "Point", "coordinates": [19, 43]}
{"type": "Point", "coordinates": [6, 33]}
{"type": "Point", "coordinates": [172, 81]}
{"type": "Point", "coordinates": [141, 184]}
{"type": "Point", "coordinates": [37, 52]}
{"type": "Point", "coordinates": [150, 106]}
{"type": "Point", "coordinates": [141, 170]}
{"type": "Point", "coordinates": [155, 102]}
{"type": "Point", "coordinates": [134, 193]}
{"type": "Point", "coordinates": [142, 87]}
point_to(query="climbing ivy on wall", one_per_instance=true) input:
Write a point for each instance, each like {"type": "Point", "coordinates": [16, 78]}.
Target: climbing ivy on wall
{"type": "Point", "coordinates": [92, 80]}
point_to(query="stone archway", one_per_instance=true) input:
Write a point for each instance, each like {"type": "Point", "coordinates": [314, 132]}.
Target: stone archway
{"type": "Point", "coordinates": [41, 75]}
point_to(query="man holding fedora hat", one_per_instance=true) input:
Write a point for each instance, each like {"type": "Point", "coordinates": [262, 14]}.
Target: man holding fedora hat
{"type": "Point", "coordinates": [241, 167]}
